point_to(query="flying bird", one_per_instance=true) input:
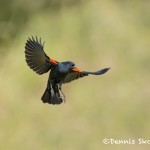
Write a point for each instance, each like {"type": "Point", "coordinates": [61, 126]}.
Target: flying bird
{"type": "Point", "coordinates": [60, 72]}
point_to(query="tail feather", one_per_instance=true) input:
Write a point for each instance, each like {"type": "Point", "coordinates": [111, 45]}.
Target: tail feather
{"type": "Point", "coordinates": [52, 95]}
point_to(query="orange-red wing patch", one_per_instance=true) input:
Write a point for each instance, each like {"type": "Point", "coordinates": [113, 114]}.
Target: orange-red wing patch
{"type": "Point", "coordinates": [76, 70]}
{"type": "Point", "coordinates": [53, 61]}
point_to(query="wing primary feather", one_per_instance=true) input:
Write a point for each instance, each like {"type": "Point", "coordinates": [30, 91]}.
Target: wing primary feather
{"type": "Point", "coordinates": [31, 44]}
{"type": "Point", "coordinates": [43, 43]}
{"type": "Point", "coordinates": [35, 43]}
{"type": "Point", "coordinates": [35, 56]}
{"type": "Point", "coordinates": [36, 39]}
{"type": "Point", "coordinates": [99, 72]}
{"type": "Point", "coordinates": [40, 41]}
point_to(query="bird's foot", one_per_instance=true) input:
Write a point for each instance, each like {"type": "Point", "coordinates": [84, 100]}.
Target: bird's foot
{"type": "Point", "coordinates": [63, 96]}
{"type": "Point", "coordinates": [63, 99]}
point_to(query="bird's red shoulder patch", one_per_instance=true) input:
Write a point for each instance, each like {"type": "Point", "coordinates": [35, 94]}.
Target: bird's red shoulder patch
{"type": "Point", "coordinates": [53, 61]}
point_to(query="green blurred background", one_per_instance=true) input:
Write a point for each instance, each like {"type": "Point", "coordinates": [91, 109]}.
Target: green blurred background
{"type": "Point", "coordinates": [94, 34]}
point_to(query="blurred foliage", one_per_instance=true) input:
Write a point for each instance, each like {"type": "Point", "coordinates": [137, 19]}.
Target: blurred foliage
{"type": "Point", "coordinates": [94, 34]}
{"type": "Point", "coordinates": [15, 14]}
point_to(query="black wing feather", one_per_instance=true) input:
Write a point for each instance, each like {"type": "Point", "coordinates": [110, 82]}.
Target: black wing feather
{"type": "Point", "coordinates": [35, 56]}
{"type": "Point", "coordinates": [99, 72]}
{"type": "Point", "coordinates": [76, 75]}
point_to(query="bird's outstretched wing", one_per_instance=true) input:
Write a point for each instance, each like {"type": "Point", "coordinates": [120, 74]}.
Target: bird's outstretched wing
{"type": "Point", "coordinates": [36, 57]}
{"type": "Point", "coordinates": [76, 74]}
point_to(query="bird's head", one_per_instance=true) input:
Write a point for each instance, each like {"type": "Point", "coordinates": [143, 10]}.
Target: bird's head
{"type": "Point", "coordinates": [69, 65]}
{"type": "Point", "coordinates": [66, 66]}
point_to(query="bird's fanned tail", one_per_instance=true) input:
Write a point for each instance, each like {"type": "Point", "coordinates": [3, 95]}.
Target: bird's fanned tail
{"type": "Point", "coordinates": [52, 95]}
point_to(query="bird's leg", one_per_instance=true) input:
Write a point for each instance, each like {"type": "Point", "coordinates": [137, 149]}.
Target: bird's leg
{"type": "Point", "coordinates": [59, 86]}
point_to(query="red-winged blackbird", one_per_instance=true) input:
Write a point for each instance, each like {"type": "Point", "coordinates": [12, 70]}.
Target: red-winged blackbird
{"type": "Point", "coordinates": [61, 72]}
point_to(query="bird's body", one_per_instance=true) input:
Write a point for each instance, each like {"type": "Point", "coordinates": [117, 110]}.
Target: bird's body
{"type": "Point", "coordinates": [60, 72]}
{"type": "Point", "coordinates": [56, 75]}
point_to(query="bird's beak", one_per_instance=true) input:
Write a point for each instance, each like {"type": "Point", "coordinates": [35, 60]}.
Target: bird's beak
{"type": "Point", "coordinates": [76, 69]}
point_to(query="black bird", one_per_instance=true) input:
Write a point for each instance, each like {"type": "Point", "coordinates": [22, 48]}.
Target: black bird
{"type": "Point", "coordinates": [61, 72]}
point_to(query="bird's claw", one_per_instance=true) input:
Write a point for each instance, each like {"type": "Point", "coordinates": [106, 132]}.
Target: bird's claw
{"type": "Point", "coordinates": [63, 96]}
